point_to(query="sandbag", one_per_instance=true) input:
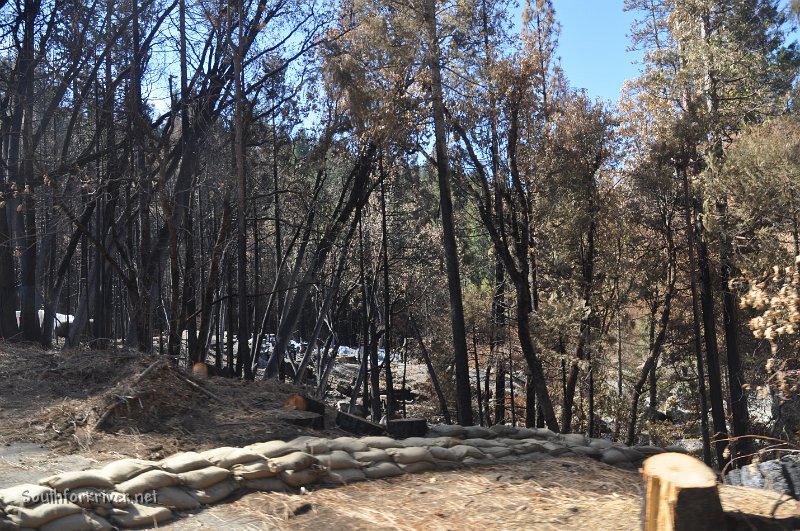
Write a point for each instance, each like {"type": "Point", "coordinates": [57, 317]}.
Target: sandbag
{"type": "Point", "coordinates": [40, 514]}
{"type": "Point", "coordinates": [270, 449]}
{"type": "Point", "coordinates": [443, 442]}
{"type": "Point", "coordinates": [522, 433]}
{"type": "Point", "coordinates": [372, 456]}
{"type": "Point", "coordinates": [344, 476]}
{"type": "Point", "coordinates": [74, 480]}
{"type": "Point", "coordinates": [257, 470]}
{"type": "Point", "coordinates": [472, 461]}
{"type": "Point", "coordinates": [348, 444]}
{"type": "Point", "coordinates": [265, 485]}
{"type": "Point", "coordinates": [478, 432]}
{"type": "Point", "coordinates": [463, 451]}
{"type": "Point", "coordinates": [446, 430]}
{"type": "Point", "coordinates": [90, 498]}
{"type": "Point", "coordinates": [497, 451]}
{"type": "Point", "coordinates": [125, 469]}
{"type": "Point", "coordinates": [501, 430]}
{"type": "Point", "coordinates": [294, 461]}
{"type": "Point", "coordinates": [528, 446]}
{"type": "Point", "coordinates": [137, 515]}
{"type": "Point", "coordinates": [417, 441]}
{"type": "Point", "coordinates": [442, 464]}
{"type": "Point", "coordinates": [176, 499]}
{"type": "Point", "coordinates": [337, 460]}
{"type": "Point", "coordinates": [215, 493]}
{"type": "Point", "coordinates": [151, 480]}
{"type": "Point", "coordinates": [382, 442]}
{"type": "Point", "coordinates": [443, 454]}
{"type": "Point", "coordinates": [234, 456]}
{"type": "Point", "coordinates": [204, 478]}
{"type": "Point", "coordinates": [26, 495]}
{"type": "Point", "coordinates": [184, 462]}
{"type": "Point", "coordinates": [301, 478]}
{"type": "Point", "coordinates": [405, 456]}
{"type": "Point", "coordinates": [78, 522]}
{"type": "Point", "coordinates": [382, 469]}
{"type": "Point", "coordinates": [419, 466]}
{"type": "Point", "coordinates": [479, 443]}
{"type": "Point", "coordinates": [310, 445]}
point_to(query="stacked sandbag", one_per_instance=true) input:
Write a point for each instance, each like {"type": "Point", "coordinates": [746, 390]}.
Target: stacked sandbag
{"type": "Point", "coordinates": [135, 492]}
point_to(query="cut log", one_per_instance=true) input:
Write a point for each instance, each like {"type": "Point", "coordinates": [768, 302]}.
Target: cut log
{"type": "Point", "coordinates": [681, 495]}
{"type": "Point", "coordinates": [404, 428]}
{"type": "Point", "coordinates": [357, 425]}
{"type": "Point", "coordinates": [305, 403]}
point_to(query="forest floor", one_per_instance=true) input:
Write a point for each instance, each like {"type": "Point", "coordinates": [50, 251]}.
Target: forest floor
{"type": "Point", "coordinates": [63, 410]}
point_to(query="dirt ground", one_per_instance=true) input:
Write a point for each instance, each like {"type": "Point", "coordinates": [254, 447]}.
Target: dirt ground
{"type": "Point", "coordinates": [76, 410]}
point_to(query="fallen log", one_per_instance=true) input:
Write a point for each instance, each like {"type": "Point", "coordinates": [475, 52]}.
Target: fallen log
{"type": "Point", "coordinates": [357, 425]}
{"type": "Point", "coordinates": [305, 403]}
{"type": "Point", "coordinates": [405, 428]}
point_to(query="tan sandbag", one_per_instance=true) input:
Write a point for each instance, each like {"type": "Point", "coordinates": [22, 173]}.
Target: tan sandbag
{"type": "Point", "coordinates": [372, 456]}
{"type": "Point", "coordinates": [337, 460]}
{"type": "Point", "coordinates": [234, 456]}
{"type": "Point", "coordinates": [176, 499]}
{"type": "Point", "coordinates": [447, 430]}
{"type": "Point", "coordinates": [27, 494]}
{"type": "Point", "coordinates": [78, 522]}
{"type": "Point", "coordinates": [501, 430]}
{"type": "Point", "coordinates": [91, 498]}
{"type": "Point", "coordinates": [310, 445]}
{"type": "Point", "coordinates": [270, 449]}
{"type": "Point", "coordinates": [417, 441]}
{"type": "Point", "coordinates": [40, 514]}
{"type": "Point", "coordinates": [479, 443]}
{"type": "Point", "coordinates": [136, 515]}
{"type": "Point", "coordinates": [471, 461]}
{"type": "Point", "coordinates": [498, 451]}
{"type": "Point", "coordinates": [419, 466]}
{"type": "Point", "coordinates": [256, 470]}
{"type": "Point", "coordinates": [265, 485]}
{"type": "Point", "coordinates": [344, 476]}
{"type": "Point", "coordinates": [529, 446]}
{"type": "Point", "coordinates": [382, 442]}
{"type": "Point", "coordinates": [405, 456]}
{"type": "Point", "coordinates": [477, 432]}
{"type": "Point", "coordinates": [464, 450]}
{"type": "Point", "coordinates": [215, 493]}
{"type": "Point", "coordinates": [348, 444]}
{"type": "Point", "coordinates": [294, 461]}
{"type": "Point", "coordinates": [204, 478]}
{"type": "Point", "coordinates": [443, 442]}
{"type": "Point", "coordinates": [522, 433]}
{"type": "Point", "coordinates": [151, 480]}
{"type": "Point", "coordinates": [301, 478]}
{"type": "Point", "coordinates": [214, 454]}
{"type": "Point", "coordinates": [184, 462]}
{"type": "Point", "coordinates": [74, 480]}
{"type": "Point", "coordinates": [443, 454]}
{"type": "Point", "coordinates": [125, 469]}
{"type": "Point", "coordinates": [382, 469]}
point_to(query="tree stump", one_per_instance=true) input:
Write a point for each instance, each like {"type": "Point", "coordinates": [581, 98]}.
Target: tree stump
{"type": "Point", "coordinates": [681, 495]}
{"type": "Point", "coordinates": [305, 403]}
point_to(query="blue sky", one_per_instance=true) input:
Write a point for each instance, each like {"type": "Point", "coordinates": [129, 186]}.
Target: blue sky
{"type": "Point", "coordinates": [593, 45]}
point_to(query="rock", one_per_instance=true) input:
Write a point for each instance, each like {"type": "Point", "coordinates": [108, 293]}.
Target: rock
{"type": "Point", "coordinates": [791, 470]}
{"type": "Point", "coordinates": [772, 472]}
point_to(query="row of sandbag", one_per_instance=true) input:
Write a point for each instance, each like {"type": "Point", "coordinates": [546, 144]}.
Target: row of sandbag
{"type": "Point", "coordinates": [134, 492]}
